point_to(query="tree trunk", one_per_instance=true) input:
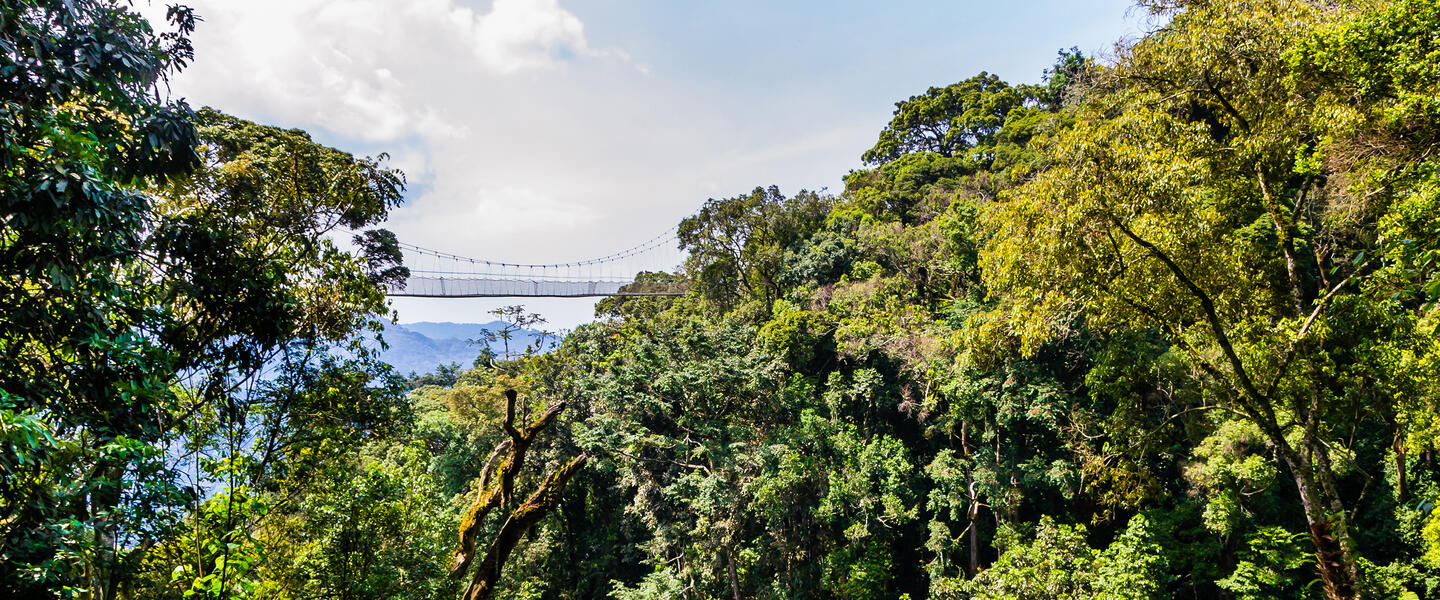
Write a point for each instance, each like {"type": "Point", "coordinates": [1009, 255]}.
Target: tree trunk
{"type": "Point", "coordinates": [1329, 527]}
{"type": "Point", "coordinates": [974, 535]}
{"type": "Point", "coordinates": [1401, 480]}
{"type": "Point", "coordinates": [973, 510]}
{"type": "Point", "coordinates": [1284, 229]}
{"type": "Point", "coordinates": [734, 580]}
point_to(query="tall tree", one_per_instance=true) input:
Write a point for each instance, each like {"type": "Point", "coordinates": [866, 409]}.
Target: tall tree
{"type": "Point", "coordinates": [151, 285]}
{"type": "Point", "coordinates": [82, 388]}
{"type": "Point", "coordinates": [1200, 195]}
{"type": "Point", "coordinates": [737, 245]}
{"type": "Point", "coordinates": [948, 121]}
{"type": "Point", "coordinates": [252, 299]}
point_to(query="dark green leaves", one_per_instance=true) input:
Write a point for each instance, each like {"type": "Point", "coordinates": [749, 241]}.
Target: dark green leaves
{"type": "Point", "coordinates": [948, 121]}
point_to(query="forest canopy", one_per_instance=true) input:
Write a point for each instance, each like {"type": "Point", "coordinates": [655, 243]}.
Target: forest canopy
{"type": "Point", "coordinates": [1161, 324]}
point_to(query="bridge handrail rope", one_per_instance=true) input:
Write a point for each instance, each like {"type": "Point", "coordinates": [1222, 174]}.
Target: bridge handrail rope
{"type": "Point", "coordinates": [486, 275]}
{"type": "Point", "coordinates": [646, 246]}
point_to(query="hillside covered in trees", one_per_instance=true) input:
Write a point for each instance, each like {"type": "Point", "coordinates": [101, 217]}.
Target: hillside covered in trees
{"type": "Point", "coordinates": [1159, 325]}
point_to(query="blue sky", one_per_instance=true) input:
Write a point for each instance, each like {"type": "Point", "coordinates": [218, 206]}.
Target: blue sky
{"type": "Point", "coordinates": [557, 130]}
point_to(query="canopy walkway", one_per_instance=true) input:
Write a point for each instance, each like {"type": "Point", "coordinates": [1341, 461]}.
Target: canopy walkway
{"type": "Point", "coordinates": [637, 271]}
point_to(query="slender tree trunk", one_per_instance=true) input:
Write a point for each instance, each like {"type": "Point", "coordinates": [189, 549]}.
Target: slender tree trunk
{"type": "Point", "coordinates": [1329, 527]}
{"type": "Point", "coordinates": [734, 580]}
{"type": "Point", "coordinates": [973, 510]}
{"type": "Point", "coordinates": [974, 539]}
{"type": "Point", "coordinates": [104, 502]}
{"type": "Point", "coordinates": [1401, 476]}
{"type": "Point", "coordinates": [1284, 230]}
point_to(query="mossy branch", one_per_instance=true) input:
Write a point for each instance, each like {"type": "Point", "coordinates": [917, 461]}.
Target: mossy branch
{"type": "Point", "coordinates": [497, 480]}
{"type": "Point", "coordinates": [482, 585]}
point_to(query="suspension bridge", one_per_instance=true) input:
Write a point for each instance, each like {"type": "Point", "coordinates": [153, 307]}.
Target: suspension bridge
{"type": "Point", "coordinates": [638, 271]}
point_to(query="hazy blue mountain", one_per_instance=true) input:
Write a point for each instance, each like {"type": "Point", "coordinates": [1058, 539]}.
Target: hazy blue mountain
{"type": "Point", "coordinates": [447, 330]}
{"type": "Point", "coordinates": [420, 347]}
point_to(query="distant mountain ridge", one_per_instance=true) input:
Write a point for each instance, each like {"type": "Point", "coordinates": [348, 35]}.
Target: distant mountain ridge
{"type": "Point", "coordinates": [421, 347]}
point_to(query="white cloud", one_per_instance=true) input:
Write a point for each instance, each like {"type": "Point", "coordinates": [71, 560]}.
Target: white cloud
{"type": "Point", "coordinates": [531, 206]}
{"type": "Point", "coordinates": [352, 66]}
{"type": "Point", "coordinates": [527, 34]}
{"type": "Point", "coordinates": [506, 222]}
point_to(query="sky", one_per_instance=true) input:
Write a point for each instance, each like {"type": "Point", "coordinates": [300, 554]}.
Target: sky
{"type": "Point", "coordinates": [540, 131]}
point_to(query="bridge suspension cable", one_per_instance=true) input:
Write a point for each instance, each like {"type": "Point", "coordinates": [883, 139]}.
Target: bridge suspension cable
{"type": "Point", "coordinates": [434, 273]}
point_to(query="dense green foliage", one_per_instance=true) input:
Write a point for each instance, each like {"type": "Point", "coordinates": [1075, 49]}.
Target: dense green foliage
{"type": "Point", "coordinates": [172, 306]}
{"type": "Point", "coordinates": [1158, 327]}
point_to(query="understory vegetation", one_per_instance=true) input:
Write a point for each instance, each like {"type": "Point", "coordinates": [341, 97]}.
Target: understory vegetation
{"type": "Point", "coordinates": [1162, 325]}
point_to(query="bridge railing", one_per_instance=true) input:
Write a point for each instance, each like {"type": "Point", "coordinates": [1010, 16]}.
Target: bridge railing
{"type": "Point", "coordinates": [423, 286]}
